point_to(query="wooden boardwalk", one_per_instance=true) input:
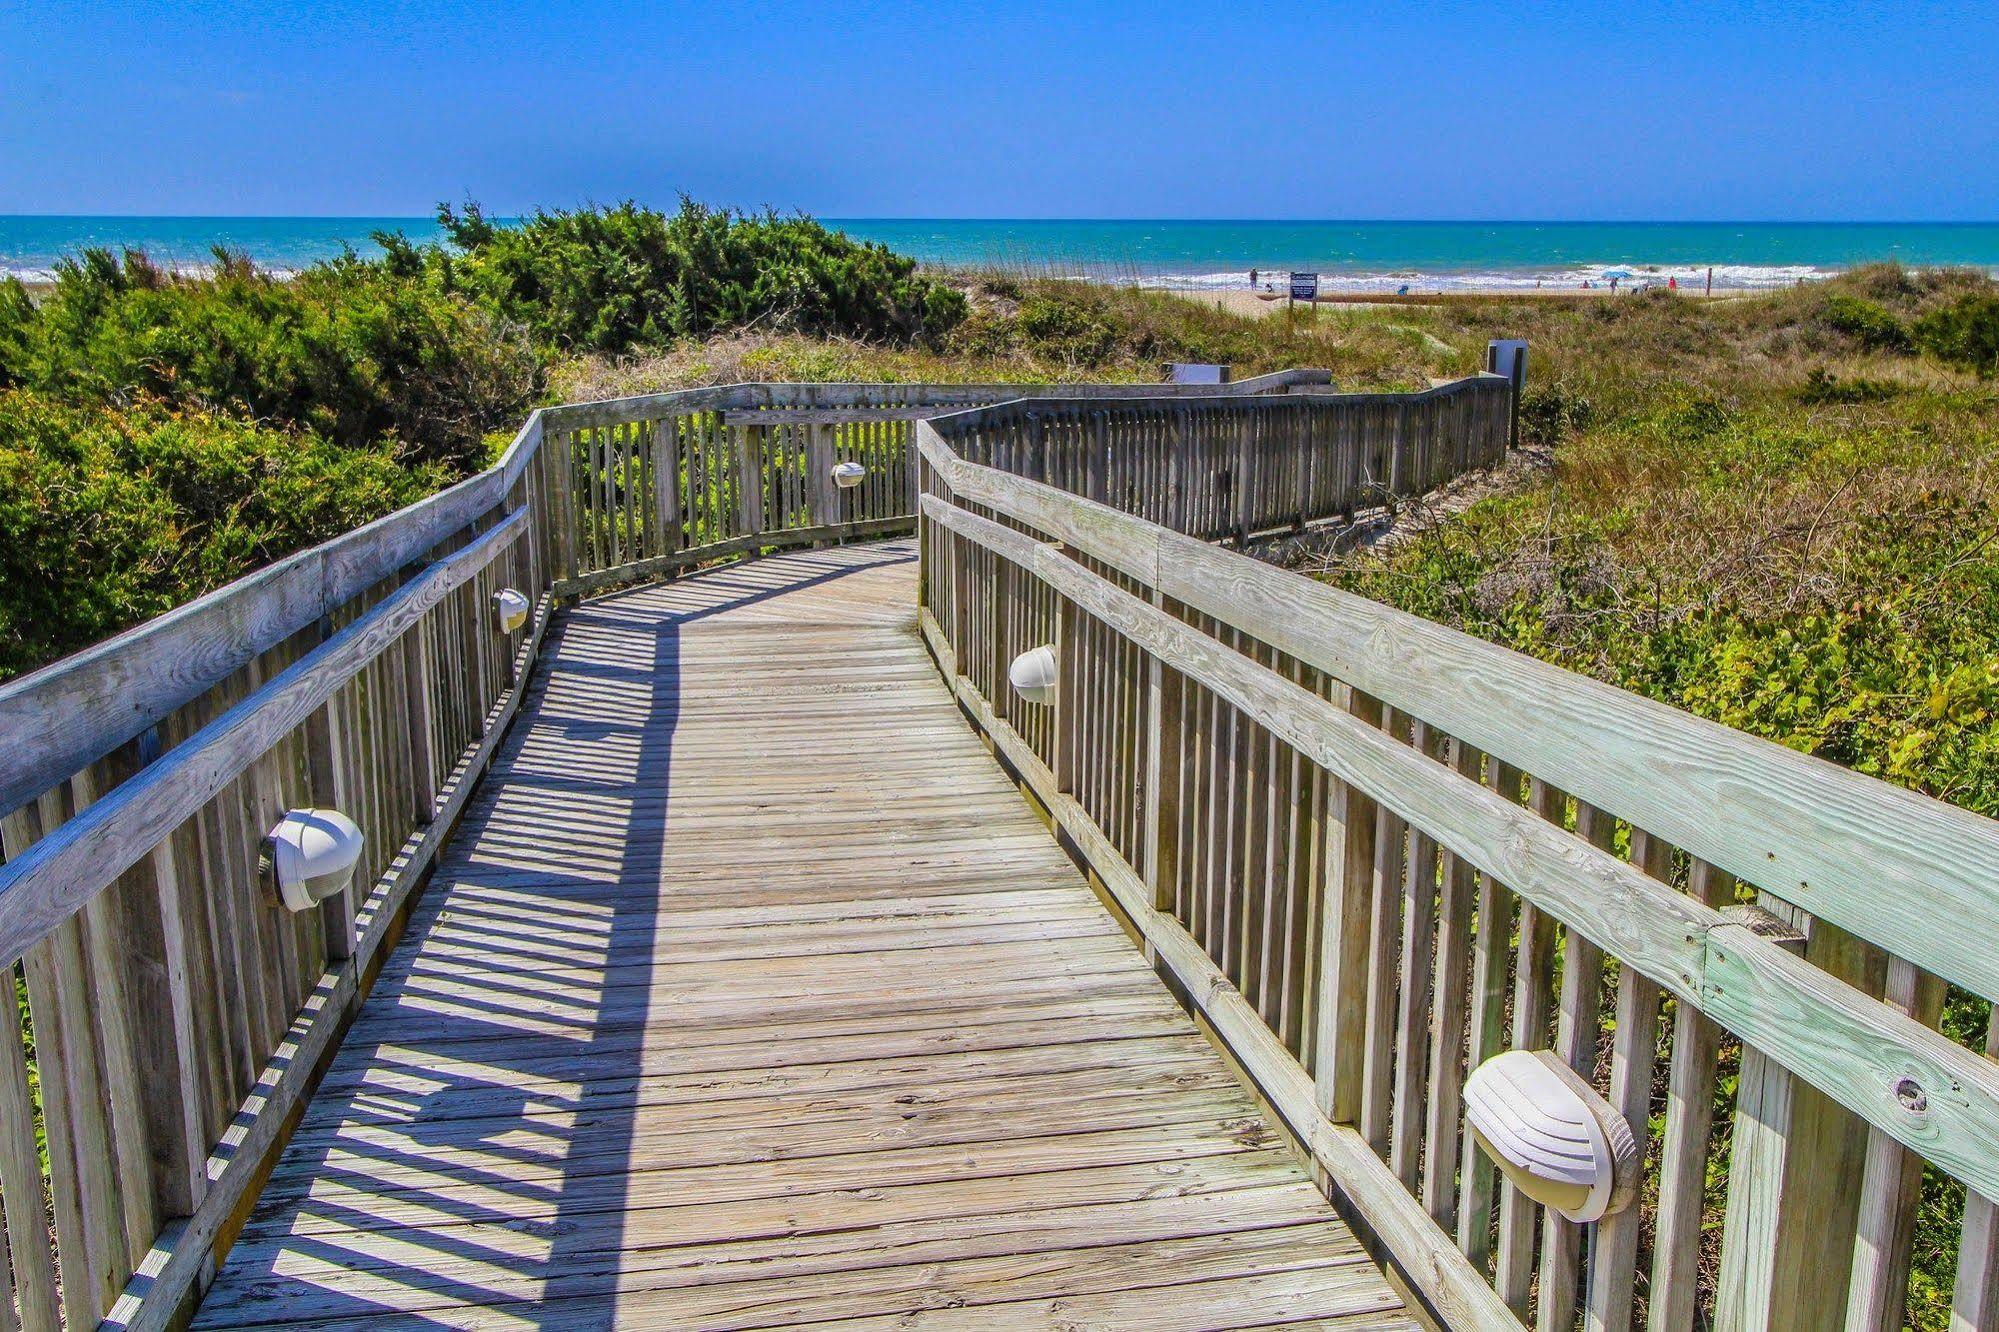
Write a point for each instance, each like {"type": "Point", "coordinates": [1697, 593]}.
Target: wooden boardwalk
{"type": "Point", "coordinates": [751, 994]}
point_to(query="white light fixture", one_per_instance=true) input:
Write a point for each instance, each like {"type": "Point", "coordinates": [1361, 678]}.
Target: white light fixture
{"type": "Point", "coordinates": [310, 856]}
{"type": "Point", "coordinates": [512, 608]}
{"type": "Point", "coordinates": [1033, 675]}
{"type": "Point", "coordinates": [847, 475]}
{"type": "Point", "coordinates": [1550, 1133]}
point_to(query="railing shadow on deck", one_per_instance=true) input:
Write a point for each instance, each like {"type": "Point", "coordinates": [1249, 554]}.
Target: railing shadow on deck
{"type": "Point", "coordinates": [488, 1104]}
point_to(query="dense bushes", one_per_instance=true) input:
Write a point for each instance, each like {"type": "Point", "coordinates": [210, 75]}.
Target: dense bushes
{"type": "Point", "coordinates": [1866, 323]}
{"type": "Point", "coordinates": [615, 279]}
{"type": "Point", "coordinates": [1964, 333]}
{"type": "Point", "coordinates": [357, 352]}
{"type": "Point", "coordinates": [162, 433]}
{"type": "Point", "coordinates": [1552, 414]}
{"type": "Point", "coordinates": [112, 517]}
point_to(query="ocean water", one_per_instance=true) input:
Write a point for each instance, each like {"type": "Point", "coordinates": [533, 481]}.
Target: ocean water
{"type": "Point", "coordinates": [1351, 256]}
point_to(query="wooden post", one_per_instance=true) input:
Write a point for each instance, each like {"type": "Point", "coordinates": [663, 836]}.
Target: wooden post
{"type": "Point", "coordinates": [1303, 449]}
{"type": "Point", "coordinates": [1162, 778]}
{"type": "Point", "coordinates": [1339, 1035]}
{"type": "Point", "coordinates": [749, 480]}
{"type": "Point", "coordinates": [1240, 490]}
{"type": "Point", "coordinates": [326, 769]}
{"type": "Point", "coordinates": [819, 462]}
{"type": "Point", "coordinates": [1890, 1186]}
{"type": "Point", "coordinates": [567, 501]}
{"type": "Point", "coordinates": [1063, 733]}
{"type": "Point", "coordinates": [1974, 1302]}
{"type": "Point", "coordinates": [666, 482]}
{"type": "Point", "coordinates": [1793, 1180]}
{"type": "Point", "coordinates": [418, 673]}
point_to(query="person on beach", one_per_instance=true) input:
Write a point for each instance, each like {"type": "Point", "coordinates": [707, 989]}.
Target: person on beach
{"type": "Point", "coordinates": [1252, 279]}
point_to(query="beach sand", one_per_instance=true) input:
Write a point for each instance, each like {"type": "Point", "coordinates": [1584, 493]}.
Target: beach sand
{"type": "Point", "coordinates": [1250, 304]}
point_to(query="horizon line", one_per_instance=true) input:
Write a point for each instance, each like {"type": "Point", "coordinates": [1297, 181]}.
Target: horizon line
{"type": "Point", "coordinates": [1230, 221]}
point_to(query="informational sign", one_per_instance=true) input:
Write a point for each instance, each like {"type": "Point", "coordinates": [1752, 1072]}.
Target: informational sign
{"type": "Point", "coordinates": [1304, 286]}
{"type": "Point", "coordinates": [1508, 357]}
{"type": "Point", "coordinates": [1184, 372]}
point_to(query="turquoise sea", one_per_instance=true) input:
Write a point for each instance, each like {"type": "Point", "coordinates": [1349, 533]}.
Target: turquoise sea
{"type": "Point", "coordinates": [1356, 255]}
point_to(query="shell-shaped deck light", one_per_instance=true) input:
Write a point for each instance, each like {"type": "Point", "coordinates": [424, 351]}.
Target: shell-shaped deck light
{"type": "Point", "coordinates": [512, 608]}
{"type": "Point", "coordinates": [310, 856]}
{"type": "Point", "coordinates": [1550, 1133]}
{"type": "Point", "coordinates": [1033, 675]}
{"type": "Point", "coordinates": [847, 475]}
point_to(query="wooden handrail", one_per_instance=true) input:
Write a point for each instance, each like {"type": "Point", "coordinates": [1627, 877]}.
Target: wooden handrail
{"type": "Point", "coordinates": [1852, 1047]}
{"type": "Point", "coordinates": [1847, 847]}
{"type": "Point", "coordinates": [41, 887]}
{"type": "Point", "coordinates": [1447, 825]}
{"type": "Point", "coordinates": [665, 481]}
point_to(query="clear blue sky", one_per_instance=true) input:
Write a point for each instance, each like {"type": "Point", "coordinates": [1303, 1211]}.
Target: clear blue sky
{"type": "Point", "coordinates": [1498, 110]}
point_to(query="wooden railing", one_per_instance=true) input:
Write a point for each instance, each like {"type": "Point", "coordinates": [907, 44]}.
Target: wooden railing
{"type": "Point", "coordinates": [1241, 467]}
{"type": "Point", "coordinates": [668, 481]}
{"type": "Point", "coordinates": [174, 1013]}
{"type": "Point", "coordinates": [1373, 852]}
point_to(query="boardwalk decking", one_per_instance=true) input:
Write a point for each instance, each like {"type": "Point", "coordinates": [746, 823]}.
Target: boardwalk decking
{"type": "Point", "coordinates": [751, 994]}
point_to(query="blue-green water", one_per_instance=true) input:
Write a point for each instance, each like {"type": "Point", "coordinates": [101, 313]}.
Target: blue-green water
{"type": "Point", "coordinates": [1351, 255]}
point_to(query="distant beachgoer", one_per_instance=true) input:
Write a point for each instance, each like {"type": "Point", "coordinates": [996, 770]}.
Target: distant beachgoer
{"type": "Point", "coordinates": [1672, 284]}
{"type": "Point", "coordinates": [1252, 279]}
{"type": "Point", "coordinates": [1402, 290]}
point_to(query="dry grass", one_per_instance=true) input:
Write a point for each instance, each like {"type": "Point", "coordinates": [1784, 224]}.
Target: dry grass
{"type": "Point", "coordinates": [1047, 330]}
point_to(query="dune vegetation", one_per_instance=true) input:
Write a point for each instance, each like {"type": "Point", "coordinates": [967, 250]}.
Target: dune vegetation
{"type": "Point", "coordinates": [162, 433]}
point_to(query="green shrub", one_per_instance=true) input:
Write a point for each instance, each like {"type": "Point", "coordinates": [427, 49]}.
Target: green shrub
{"type": "Point", "coordinates": [1964, 333]}
{"type": "Point", "coordinates": [1821, 386]}
{"type": "Point", "coordinates": [113, 517]}
{"type": "Point", "coordinates": [616, 279]}
{"type": "Point", "coordinates": [355, 351]}
{"type": "Point", "coordinates": [1867, 323]}
{"type": "Point", "coordinates": [1552, 414]}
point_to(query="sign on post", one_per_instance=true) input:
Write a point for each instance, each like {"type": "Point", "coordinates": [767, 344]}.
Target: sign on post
{"type": "Point", "coordinates": [1193, 372]}
{"type": "Point", "coordinates": [1508, 357]}
{"type": "Point", "coordinates": [1304, 286]}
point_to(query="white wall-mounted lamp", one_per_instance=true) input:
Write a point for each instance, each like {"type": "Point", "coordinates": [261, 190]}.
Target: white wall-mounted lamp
{"type": "Point", "coordinates": [847, 475]}
{"type": "Point", "coordinates": [310, 856]}
{"type": "Point", "coordinates": [1033, 675]}
{"type": "Point", "coordinates": [512, 607]}
{"type": "Point", "coordinates": [1550, 1133]}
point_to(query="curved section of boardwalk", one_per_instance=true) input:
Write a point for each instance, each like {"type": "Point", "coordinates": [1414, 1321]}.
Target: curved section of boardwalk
{"type": "Point", "coordinates": [751, 994]}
